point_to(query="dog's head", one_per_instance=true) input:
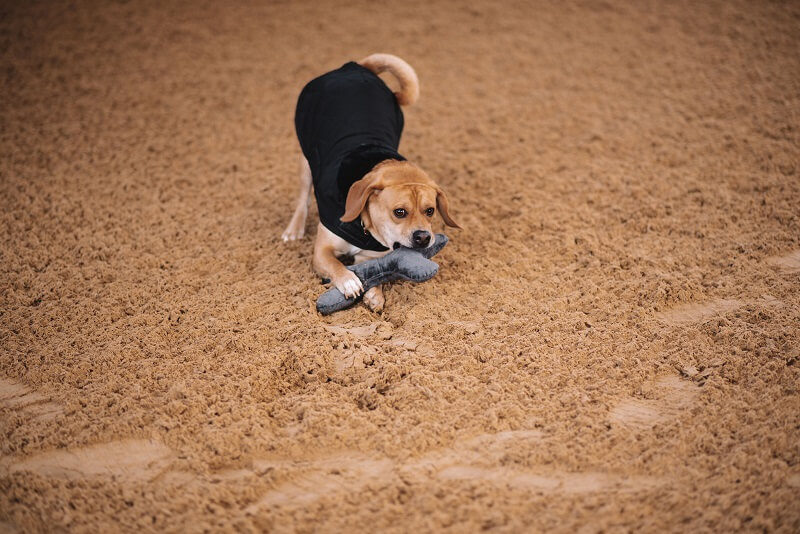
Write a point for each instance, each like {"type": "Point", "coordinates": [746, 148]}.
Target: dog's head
{"type": "Point", "coordinates": [397, 202]}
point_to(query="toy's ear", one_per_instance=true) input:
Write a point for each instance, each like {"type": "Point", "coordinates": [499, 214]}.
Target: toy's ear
{"type": "Point", "coordinates": [444, 210]}
{"type": "Point", "coordinates": [359, 193]}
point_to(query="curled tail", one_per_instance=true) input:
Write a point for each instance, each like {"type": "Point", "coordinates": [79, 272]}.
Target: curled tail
{"type": "Point", "coordinates": [409, 84]}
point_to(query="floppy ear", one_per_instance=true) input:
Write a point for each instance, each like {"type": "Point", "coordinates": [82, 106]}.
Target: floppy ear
{"type": "Point", "coordinates": [441, 204]}
{"type": "Point", "coordinates": [358, 195]}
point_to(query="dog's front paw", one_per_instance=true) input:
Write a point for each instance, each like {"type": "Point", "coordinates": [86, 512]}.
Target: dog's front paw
{"type": "Point", "coordinates": [349, 284]}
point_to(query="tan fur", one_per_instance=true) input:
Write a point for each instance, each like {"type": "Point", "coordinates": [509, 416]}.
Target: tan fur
{"type": "Point", "coordinates": [390, 185]}
{"type": "Point", "coordinates": [409, 83]}
{"type": "Point", "coordinates": [297, 226]}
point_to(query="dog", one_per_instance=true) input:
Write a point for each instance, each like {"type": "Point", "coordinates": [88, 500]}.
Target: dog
{"type": "Point", "coordinates": [370, 198]}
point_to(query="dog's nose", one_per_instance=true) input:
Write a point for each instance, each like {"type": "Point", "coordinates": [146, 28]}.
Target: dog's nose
{"type": "Point", "coordinates": [421, 238]}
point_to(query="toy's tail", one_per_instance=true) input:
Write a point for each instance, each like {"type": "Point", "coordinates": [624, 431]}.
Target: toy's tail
{"type": "Point", "coordinates": [409, 84]}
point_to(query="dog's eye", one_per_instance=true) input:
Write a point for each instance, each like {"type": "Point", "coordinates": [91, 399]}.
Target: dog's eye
{"type": "Point", "coordinates": [429, 212]}
{"type": "Point", "coordinates": [400, 213]}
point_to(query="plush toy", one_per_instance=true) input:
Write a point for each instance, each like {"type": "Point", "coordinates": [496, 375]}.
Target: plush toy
{"type": "Point", "coordinates": [400, 264]}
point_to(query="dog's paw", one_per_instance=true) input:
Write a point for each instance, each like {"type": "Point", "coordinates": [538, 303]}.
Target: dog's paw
{"type": "Point", "coordinates": [293, 232]}
{"type": "Point", "coordinates": [349, 284]}
{"type": "Point", "coordinates": [374, 299]}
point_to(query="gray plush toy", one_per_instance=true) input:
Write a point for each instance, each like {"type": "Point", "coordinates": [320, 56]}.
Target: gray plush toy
{"type": "Point", "coordinates": [400, 264]}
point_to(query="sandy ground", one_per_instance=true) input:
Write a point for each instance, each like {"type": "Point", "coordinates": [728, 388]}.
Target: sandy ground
{"type": "Point", "coordinates": [611, 344]}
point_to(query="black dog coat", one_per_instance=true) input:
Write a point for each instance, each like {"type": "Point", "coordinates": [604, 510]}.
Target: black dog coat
{"type": "Point", "coordinates": [347, 122]}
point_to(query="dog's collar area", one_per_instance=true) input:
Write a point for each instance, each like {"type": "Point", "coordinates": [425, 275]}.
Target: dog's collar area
{"type": "Point", "coordinates": [367, 233]}
{"type": "Point", "coordinates": [357, 235]}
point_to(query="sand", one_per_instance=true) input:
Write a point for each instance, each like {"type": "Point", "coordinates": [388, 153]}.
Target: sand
{"type": "Point", "coordinates": [611, 343]}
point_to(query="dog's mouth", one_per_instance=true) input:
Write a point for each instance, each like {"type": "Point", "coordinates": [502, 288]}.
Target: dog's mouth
{"type": "Point", "coordinates": [396, 245]}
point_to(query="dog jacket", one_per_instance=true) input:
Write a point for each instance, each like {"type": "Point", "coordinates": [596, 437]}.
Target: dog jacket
{"type": "Point", "coordinates": [347, 122]}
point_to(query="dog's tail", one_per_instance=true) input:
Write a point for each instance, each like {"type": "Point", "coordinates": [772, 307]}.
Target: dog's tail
{"type": "Point", "coordinates": [409, 84]}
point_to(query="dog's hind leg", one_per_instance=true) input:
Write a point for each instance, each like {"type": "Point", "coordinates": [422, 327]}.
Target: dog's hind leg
{"type": "Point", "coordinates": [297, 226]}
